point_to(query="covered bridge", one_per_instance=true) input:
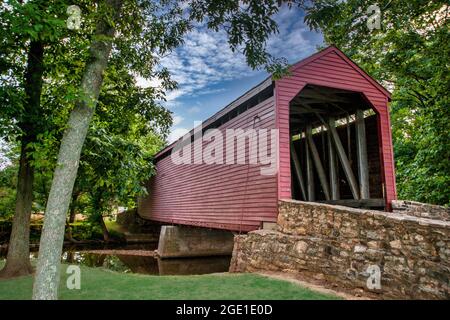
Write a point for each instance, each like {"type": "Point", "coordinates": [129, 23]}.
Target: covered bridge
{"type": "Point", "coordinates": [333, 145]}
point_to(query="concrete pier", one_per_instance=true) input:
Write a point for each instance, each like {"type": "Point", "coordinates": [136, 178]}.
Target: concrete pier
{"type": "Point", "coordinates": [181, 241]}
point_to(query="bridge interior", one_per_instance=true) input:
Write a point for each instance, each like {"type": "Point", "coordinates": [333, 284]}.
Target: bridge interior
{"type": "Point", "coordinates": [335, 153]}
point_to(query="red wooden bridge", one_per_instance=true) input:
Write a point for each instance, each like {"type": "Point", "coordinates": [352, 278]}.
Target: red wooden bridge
{"type": "Point", "coordinates": [333, 145]}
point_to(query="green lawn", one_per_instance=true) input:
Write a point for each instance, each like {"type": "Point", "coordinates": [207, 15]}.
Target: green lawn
{"type": "Point", "coordinates": [101, 284]}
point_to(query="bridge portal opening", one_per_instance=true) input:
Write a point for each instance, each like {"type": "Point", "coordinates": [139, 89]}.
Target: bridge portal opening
{"type": "Point", "coordinates": [335, 149]}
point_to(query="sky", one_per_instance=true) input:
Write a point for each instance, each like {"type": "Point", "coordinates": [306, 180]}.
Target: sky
{"type": "Point", "coordinates": [210, 76]}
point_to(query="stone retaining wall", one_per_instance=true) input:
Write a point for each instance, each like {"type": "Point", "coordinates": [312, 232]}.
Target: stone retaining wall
{"type": "Point", "coordinates": [423, 210]}
{"type": "Point", "coordinates": [346, 246]}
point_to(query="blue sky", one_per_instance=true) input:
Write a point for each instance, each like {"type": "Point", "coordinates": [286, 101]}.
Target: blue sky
{"type": "Point", "coordinates": [210, 76]}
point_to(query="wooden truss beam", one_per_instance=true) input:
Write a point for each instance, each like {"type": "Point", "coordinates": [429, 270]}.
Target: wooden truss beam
{"type": "Point", "coordinates": [361, 147]}
{"type": "Point", "coordinates": [298, 170]}
{"type": "Point", "coordinates": [309, 174]}
{"type": "Point", "coordinates": [343, 158]}
{"type": "Point", "coordinates": [332, 167]}
{"type": "Point", "coordinates": [317, 162]}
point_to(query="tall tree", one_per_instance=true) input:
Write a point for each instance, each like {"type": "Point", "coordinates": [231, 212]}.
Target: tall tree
{"type": "Point", "coordinates": [50, 249]}
{"type": "Point", "coordinates": [128, 128]}
{"type": "Point", "coordinates": [45, 23]}
{"type": "Point", "coordinates": [25, 36]}
{"type": "Point", "coordinates": [18, 259]}
{"type": "Point", "coordinates": [143, 30]}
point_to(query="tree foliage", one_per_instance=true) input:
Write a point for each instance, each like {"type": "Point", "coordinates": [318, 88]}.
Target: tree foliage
{"type": "Point", "coordinates": [8, 182]}
{"type": "Point", "coordinates": [131, 121]}
{"type": "Point", "coordinates": [127, 130]}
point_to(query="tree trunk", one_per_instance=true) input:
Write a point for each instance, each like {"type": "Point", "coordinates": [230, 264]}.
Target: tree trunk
{"type": "Point", "coordinates": [70, 256]}
{"type": "Point", "coordinates": [48, 266]}
{"type": "Point", "coordinates": [18, 258]}
{"type": "Point", "coordinates": [72, 215]}
{"type": "Point", "coordinates": [105, 231]}
{"type": "Point", "coordinates": [69, 233]}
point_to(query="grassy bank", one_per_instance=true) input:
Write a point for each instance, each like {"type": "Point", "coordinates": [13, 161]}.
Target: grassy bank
{"type": "Point", "coordinates": [101, 284]}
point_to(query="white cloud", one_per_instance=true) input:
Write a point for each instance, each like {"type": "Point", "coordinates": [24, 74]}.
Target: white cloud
{"type": "Point", "coordinates": [176, 133]}
{"type": "Point", "coordinates": [205, 61]}
{"type": "Point", "coordinates": [146, 83]}
{"type": "Point", "coordinates": [205, 58]}
{"type": "Point", "coordinates": [194, 110]}
{"type": "Point", "coordinates": [291, 41]}
{"type": "Point", "coordinates": [177, 120]}
{"type": "Point", "coordinates": [172, 95]}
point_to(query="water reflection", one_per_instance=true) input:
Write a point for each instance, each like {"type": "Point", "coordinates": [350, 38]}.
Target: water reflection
{"type": "Point", "coordinates": [141, 260]}
{"type": "Point", "coordinates": [148, 264]}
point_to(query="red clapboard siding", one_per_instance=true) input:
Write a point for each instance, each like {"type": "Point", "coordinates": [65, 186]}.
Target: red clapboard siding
{"type": "Point", "coordinates": [235, 197]}
{"type": "Point", "coordinates": [331, 68]}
